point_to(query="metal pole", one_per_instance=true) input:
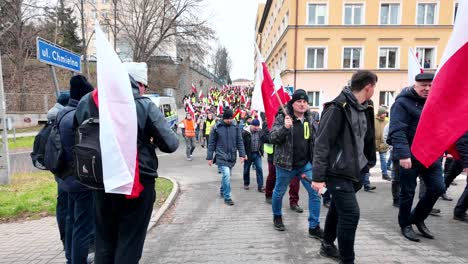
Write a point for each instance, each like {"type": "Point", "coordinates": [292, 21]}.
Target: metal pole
{"type": "Point", "coordinates": [4, 154]}
{"type": "Point", "coordinates": [54, 78]}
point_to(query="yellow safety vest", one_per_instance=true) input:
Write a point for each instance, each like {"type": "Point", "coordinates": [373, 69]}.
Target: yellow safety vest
{"type": "Point", "coordinates": [208, 126]}
{"type": "Point", "coordinates": [268, 148]}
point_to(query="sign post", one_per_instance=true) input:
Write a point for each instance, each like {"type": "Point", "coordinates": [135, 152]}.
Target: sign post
{"type": "Point", "coordinates": [54, 55]}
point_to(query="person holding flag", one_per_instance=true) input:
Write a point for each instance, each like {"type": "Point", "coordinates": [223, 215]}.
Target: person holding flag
{"type": "Point", "coordinates": [405, 115]}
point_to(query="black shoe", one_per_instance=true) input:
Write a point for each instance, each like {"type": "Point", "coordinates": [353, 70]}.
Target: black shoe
{"type": "Point", "coordinates": [246, 187]}
{"type": "Point", "coordinates": [268, 200]}
{"type": "Point", "coordinates": [229, 202]}
{"type": "Point", "coordinates": [445, 197]}
{"type": "Point", "coordinates": [386, 177]}
{"type": "Point", "coordinates": [316, 232]}
{"type": "Point", "coordinates": [396, 204]}
{"type": "Point", "coordinates": [296, 208]}
{"type": "Point", "coordinates": [278, 223]}
{"type": "Point", "coordinates": [463, 218]}
{"type": "Point", "coordinates": [326, 204]}
{"type": "Point", "coordinates": [409, 233]}
{"type": "Point", "coordinates": [435, 212]}
{"type": "Point", "coordinates": [369, 188]}
{"type": "Point", "coordinates": [424, 230]}
{"type": "Point", "coordinates": [262, 190]}
{"type": "Point", "coordinates": [329, 251]}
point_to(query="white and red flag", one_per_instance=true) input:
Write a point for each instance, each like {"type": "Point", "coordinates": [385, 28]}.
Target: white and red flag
{"type": "Point", "coordinates": [242, 96]}
{"type": "Point", "coordinates": [194, 89]}
{"type": "Point", "coordinates": [210, 99]}
{"type": "Point", "coordinates": [190, 109]}
{"type": "Point", "coordinates": [414, 67]}
{"type": "Point", "coordinates": [117, 121]}
{"type": "Point", "coordinates": [200, 95]}
{"type": "Point", "coordinates": [444, 118]}
{"type": "Point", "coordinates": [219, 109]}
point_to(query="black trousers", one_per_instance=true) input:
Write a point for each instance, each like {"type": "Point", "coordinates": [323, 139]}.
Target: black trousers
{"type": "Point", "coordinates": [121, 225]}
{"type": "Point", "coordinates": [343, 216]}
{"type": "Point", "coordinates": [462, 204]}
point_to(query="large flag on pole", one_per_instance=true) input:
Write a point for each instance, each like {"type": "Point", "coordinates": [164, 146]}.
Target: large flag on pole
{"type": "Point", "coordinates": [280, 88]}
{"type": "Point", "coordinates": [118, 119]}
{"type": "Point", "coordinates": [414, 68]}
{"type": "Point", "coordinates": [445, 117]}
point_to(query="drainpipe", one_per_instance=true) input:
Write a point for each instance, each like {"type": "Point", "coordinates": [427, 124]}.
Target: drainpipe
{"type": "Point", "coordinates": [295, 43]}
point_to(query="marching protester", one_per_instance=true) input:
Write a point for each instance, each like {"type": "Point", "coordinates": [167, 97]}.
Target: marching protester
{"type": "Point", "coordinates": [344, 152]}
{"type": "Point", "coordinates": [207, 126]}
{"type": "Point", "coordinates": [405, 115]}
{"type": "Point", "coordinates": [253, 138]}
{"type": "Point", "coordinates": [225, 140]}
{"type": "Point", "coordinates": [188, 131]}
{"type": "Point", "coordinates": [121, 221]}
{"type": "Point", "coordinates": [293, 135]}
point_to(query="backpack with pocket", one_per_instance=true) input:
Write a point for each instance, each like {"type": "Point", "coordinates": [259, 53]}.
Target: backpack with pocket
{"type": "Point", "coordinates": [53, 159]}
{"type": "Point", "coordinates": [40, 142]}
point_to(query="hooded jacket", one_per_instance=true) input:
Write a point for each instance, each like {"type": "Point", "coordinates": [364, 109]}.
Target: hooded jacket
{"type": "Point", "coordinates": [335, 153]}
{"type": "Point", "coordinates": [226, 141]}
{"type": "Point", "coordinates": [153, 131]}
{"type": "Point", "coordinates": [405, 115]}
{"type": "Point", "coordinates": [282, 138]}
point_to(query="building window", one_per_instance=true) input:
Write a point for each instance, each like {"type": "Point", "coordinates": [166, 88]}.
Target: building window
{"type": "Point", "coordinates": [386, 98]}
{"type": "Point", "coordinates": [455, 12]}
{"type": "Point", "coordinates": [426, 57]}
{"type": "Point", "coordinates": [315, 58]}
{"type": "Point", "coordinates": [352, 58]}
{"type": "Point", "coordinates": [389, 14]}
{"type": "Point", "coordinates": [388, 58]}
{"type": "Point", "coordinates": [354, 14]}
{"type": "Point", "coordinates": [317, 14]}
{"type": "Point", "coordinates": [314, 99]}
{"type": "Point", "coordinates": [426, 14]}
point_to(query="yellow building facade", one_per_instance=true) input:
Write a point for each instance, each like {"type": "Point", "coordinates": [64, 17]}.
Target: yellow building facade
{"type": "Point", "coordinates": [318, 44]}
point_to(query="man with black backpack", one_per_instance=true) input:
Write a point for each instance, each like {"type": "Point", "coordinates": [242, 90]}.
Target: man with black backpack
{"type": "Point", "coordinates": [80, 219]}
{"type": "Point", "coordinates": [121, 221]}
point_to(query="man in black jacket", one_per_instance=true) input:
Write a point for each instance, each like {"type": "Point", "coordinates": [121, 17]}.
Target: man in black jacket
{"type": "Point", "coordinates": [344, 152]}
{"type": "Point", "coordinates": [253, 138]}
{"type": "Point", "coordinates": [121, 222]}
{"type": "Point", "coordinates": [405, 114]}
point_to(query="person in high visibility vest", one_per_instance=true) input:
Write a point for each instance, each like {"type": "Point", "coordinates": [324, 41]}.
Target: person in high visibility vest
{"type": "Point", "coordinates": [189, 135]}
{"type": "Point", "coordinates": [209, 123]}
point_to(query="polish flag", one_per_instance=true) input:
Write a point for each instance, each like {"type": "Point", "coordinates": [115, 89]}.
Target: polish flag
{"type": "Point", "coordinates": [445, 117]}
{"type": "Point", "coordinates": [200, 95]}
{"type": "Point", "coordinates": [210, 99]}
{"type": "Point", "coordinates": [264, 96]}
{"type": "Point", "coordinates": [190, 109]}
{"type": "Point", "coordinates": [117, 121]}
{"type": "Point", "coordinates": [280, 88]}
{"type": "Point", "coordinates": [414, 68]}
{"type": "Point", "coordinates": [194, 89]}
{"type": "Point", "coordinates": [219, 109]}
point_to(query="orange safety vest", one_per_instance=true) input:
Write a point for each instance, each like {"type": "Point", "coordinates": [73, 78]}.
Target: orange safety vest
{"type": "Point", "coordinates": [189, 128]}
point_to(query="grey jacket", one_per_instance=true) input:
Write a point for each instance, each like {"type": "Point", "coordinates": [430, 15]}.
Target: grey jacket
{"type": "Point", "coordinates": [52, 113]}
{"type": "Point", "coordinates": [282, 138]}
{"type": "Point", "coordinates": [226, 141]}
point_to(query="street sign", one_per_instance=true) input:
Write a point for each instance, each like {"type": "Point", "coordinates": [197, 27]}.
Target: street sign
{"type": "Point", "coordinates": [52, 54]}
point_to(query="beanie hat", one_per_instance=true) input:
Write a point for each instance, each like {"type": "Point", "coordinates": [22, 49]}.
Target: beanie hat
{"type": "Point", "coordinates": [79, 86]}
{"type": "Point", "coordinates": [63, 98]}
{"type": "Point", "coordinates": [382, 110]}
{"type": "Point", "coordinates": [227, 114]}
{"type": "Point", "coordinates": [255, 122]}
{"type": "Point", "coordinates": [298, 95]}
{"type": "Point", "coordinates": [138, 70]}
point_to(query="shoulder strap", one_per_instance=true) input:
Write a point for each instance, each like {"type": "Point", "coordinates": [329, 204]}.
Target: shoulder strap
{"type": "Point", "coordinates": [60, 120]}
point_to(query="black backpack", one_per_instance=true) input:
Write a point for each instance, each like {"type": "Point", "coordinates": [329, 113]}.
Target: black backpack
{"type": "Point", "coordinates": [40, 141]}
{"type": "Point", "coordinates": [53, 159]}
{"type": "Point", "coordinates": [87, 151]}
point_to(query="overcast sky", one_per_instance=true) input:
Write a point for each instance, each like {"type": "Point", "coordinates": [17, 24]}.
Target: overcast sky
{"type": "Point", "coordinates": [234, 23]}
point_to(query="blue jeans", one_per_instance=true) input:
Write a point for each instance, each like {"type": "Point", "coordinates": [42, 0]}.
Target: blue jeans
{"type": "Point", "coordinates": [365, 179]}
{"type": "Point", "coordinates": [61, 211]}
{"type": "Point", "coordinates": [435, 187]}
{"type": "Point", "coordinates": [256, 159]}
{"type": "Point", "coordinates": [283, 177]}
{"type": "Point", "coordinates": [80, 226]}
{"type": "Point", "coordinates": [383, 162]}
{"type": "Point", "coordinates": [225, 181]}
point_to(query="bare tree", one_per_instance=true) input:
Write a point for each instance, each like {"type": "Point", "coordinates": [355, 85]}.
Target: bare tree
{"type": "Point", "coordinates": [222, 64]}
{"type": "Point", "coordinates": [148, 25]}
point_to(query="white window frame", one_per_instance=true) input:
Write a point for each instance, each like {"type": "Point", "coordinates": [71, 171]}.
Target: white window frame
{"type": "Point", "coordinates": [436, 12]}
{"type": "Point", "coordinates": [325, 57]}
{"type": "Point", "coordinates": [434, 55]}
{"type": "Point", "coordinates": [327, 12]}
{"type": "Point", "coordinates": [363, 13]}
{"type": "Point", "coordinates": [314, 97]}
{"type": "Point", "coordinates": [387, 97]}
{"type": "Point", "coordinates": [455, 3]}
{"type": "Point", "coordinates": [397, 62]}
{"type": "Point", "coordinates": [390, 2]}
{"type": "Point", "coordinates": [361, 60]}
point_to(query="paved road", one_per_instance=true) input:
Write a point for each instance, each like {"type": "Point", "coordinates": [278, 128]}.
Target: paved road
{"type": "Point", "coordinates": [200, 228]}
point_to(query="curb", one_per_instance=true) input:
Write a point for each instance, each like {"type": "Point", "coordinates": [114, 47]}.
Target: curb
{"type": "Point", "coordinates": [156, 216]}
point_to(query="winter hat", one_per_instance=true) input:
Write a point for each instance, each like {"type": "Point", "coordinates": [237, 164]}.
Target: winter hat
{"type": "Point", "coordinates": [79, 86]}
{"type": "Point", "coordinates": [255, 122]}
{"type": "Point", "coordinates": [138, 70]}
{"type": "Point", "coordinates": [227, 114]}
{"type": "Point", "coordinates": [382, 110]}
{"type": "Point", "coordinates": [63, 98]}
{"type": "Point", "coordinates": [298, 95]}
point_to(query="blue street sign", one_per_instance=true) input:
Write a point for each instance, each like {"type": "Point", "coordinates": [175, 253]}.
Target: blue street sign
{"type": "Point", "coordinates": [55, 55]}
